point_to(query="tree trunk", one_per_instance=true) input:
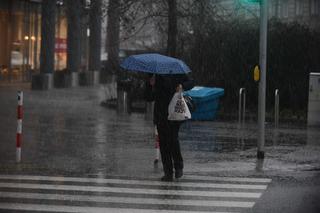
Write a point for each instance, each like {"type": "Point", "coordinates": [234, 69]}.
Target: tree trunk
{"type": "Point", "coordinates": [95, 36]}
{"type": "Point", "coordinates": [10, 27]}
{"type": "Point", "coordinates": [172, 28]}
{"type": "Point", "coordinates": [74, 35]}
{"type": "Point", "coordinates": [48, 15]}
{"type": "Point", "coordinates": [113, 34]}
{"type": "Point", "coordinates": [199, 26]}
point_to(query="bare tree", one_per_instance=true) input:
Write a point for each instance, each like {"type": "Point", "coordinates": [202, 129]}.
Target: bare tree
{"type": "Point", "coordinates": [172, 28]}
{"type": "Point", "coordinates": [133, 15]}
{"type": "Point", "coordinates": [95, 35]}
{"type": "Point", "coordinates": [74, 35]}
{"type": "Point", "coordinates": [129, 15]}
{"type": "Point", "coordinates": [47, 36]}
{"type": "Point", "coordinates": [113, 34]}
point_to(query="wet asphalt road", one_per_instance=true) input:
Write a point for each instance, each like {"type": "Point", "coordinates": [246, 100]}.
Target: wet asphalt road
{"type": "Point", "coordinates": [66, 132]}
{"type": "Point", "coordinates": [296, 193]}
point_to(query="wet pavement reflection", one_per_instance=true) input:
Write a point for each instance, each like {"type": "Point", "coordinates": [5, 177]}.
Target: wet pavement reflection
{"type": "Point", "coordinates": [68, 130]}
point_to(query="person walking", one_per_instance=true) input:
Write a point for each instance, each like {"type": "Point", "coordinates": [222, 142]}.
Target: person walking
{"type": "Point", "coordinates": [161, 88]}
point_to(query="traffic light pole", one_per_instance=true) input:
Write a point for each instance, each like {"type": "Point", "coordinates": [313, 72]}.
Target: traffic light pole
{"type": "Point", "coordinates": [262, 83]}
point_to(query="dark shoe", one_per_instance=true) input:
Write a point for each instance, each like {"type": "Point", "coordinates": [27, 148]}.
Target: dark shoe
{"type": "Point", "coordinates": [167, 178]}
{"type": "Point", "coordinates": [178, 173]}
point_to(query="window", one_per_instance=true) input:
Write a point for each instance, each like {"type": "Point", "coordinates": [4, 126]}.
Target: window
{"type": "Point", "coordinates": [299, 7]}
{"type": "Point", "coordinates": [314, 7]}
{"type": "Point", "coordinates": [274, 8]}
{"type": "Point", "coordinates": [284, 9]}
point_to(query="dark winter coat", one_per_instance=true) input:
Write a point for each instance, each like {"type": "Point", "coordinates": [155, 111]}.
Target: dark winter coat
{"type": "Point", "coordinates": [163, 91]}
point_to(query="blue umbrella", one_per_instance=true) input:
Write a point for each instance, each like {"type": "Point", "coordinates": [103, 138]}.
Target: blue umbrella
{"type": "Point", "coordinates": [155, 63]}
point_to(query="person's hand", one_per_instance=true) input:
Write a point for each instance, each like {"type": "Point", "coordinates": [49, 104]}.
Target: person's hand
{"type": "Point", "coordinates": [179, 88]}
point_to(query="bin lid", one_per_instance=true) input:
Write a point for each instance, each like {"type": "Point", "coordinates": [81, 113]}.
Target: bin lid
{"type": "Point", "coordinates": [204, 92]}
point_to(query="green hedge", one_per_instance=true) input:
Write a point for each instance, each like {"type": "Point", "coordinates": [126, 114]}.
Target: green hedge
{"type": "Point", "coordinates": [225, 54]}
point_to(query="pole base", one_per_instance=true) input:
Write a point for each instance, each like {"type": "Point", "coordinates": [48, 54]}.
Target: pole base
{"type": "Point", "coordinates": [260, 154]}
{"type": "Point", "coordinates": [42, 81]}
{"type": "Point", "coordinates": [18, 154]}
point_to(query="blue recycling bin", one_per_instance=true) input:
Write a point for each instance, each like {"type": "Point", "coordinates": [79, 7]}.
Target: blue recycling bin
{"type": "Point", "coordinates": [206, 100]}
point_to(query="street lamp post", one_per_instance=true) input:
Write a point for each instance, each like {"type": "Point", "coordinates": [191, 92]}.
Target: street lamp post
{"type": "Point", "coordinates": [263, 70]}
{"type": "Point", "coordinates": [262, 83]}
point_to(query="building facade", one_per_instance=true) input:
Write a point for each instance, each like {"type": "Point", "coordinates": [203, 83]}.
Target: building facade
{"type": "Point", "coordinates": [305, 12]}
{"type": "Point", "coordinates": [20, 38]}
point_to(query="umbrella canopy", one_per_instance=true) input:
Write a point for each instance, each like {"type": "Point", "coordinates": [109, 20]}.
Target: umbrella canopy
{"type": "Point", "coordinates": [155, 63]}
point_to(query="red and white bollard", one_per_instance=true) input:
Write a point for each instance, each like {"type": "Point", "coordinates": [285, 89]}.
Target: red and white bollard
{"type": "Point", "coordinates": [19, 126]}
{"type": "Point", "coordinates": [157, 145]}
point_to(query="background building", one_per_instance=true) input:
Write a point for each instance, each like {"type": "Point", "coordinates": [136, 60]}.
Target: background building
{"type": "Point", "coordinates": [19, 38]}
{"type": "Point", "coordinates": [20, 27]}
{"type": "Point", "coordinates": [305, 12]}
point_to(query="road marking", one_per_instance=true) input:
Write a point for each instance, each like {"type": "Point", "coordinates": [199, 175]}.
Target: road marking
{"type": "Point", "coordinates": [135, 182]}
{"type": "Point", "coordinates": [127, 200]}
{"type": "Point", "coordinates": [232, 179]}
{"type": "Point", "coordinates": [78, 209]}
{"type": "Point", "coordinates": [130, 190]}
{"type": "Point", "coordinates": [194, 194]}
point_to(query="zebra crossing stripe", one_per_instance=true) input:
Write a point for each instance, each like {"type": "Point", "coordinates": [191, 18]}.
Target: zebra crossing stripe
{"type": "Point", "coordinates": [185, 177]}
{"type": "Point", "coordinates": [195, 194]}
{"type": "Point", "coordinates": [131, 190]}
{"type": "Point", "coordinates": [78, 209]}
{"type": "Point", "coordinates": [231, 179]}
{"type": "Point", "coordinates": [127, 200]}
{"type": "Point", "coordinates": [136, 182]}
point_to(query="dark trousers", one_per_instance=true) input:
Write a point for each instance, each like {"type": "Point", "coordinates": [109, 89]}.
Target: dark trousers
{"type": "Point", "coordinates": [169, 146]}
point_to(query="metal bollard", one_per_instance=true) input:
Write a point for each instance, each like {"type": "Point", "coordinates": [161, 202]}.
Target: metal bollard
{"type": "Point", "coordinates": [276, 108]}
{"type": "Point", "coordinates": [122, 101]}
{"type": "Point", "coordinates": [242, 106]}
{"type": "Point", "coordinates": [157, 145]}
{"type": "Point", "coordinates": [19, 126]}
{"type": "Point", "coordinates": [242, 112]}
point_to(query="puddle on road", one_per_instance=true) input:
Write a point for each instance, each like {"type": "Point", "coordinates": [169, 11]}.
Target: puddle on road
{"type": "Point", "coordinates": [222, 140]}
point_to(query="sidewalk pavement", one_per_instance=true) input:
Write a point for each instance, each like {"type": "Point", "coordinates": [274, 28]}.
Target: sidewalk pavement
{"type": "Point", "coordinates": [68, 132]}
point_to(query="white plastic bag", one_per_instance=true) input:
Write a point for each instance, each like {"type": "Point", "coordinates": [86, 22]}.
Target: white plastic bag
{"type": "Point", "coordinates": [178, 109]}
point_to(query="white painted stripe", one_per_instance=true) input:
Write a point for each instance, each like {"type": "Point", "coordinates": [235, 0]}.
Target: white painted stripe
{"type": "Point", "coordinates": [18, 154]}
{"type": "Point", "coordinates": [20, 98]}
{"type": "Point", "coordinates": [78, 209]}
{"type": "Point", "coordinates": [127, 200]}
{"type": "Point", "coordinates": [131, 190]}
{"type": "Point", "coordinates": [19, 126]}
{"type": "Point", "coordinates": [134, 182]}
{"type": "Point", "coordinates": [157, 153]}
{"type": "Point", "coordinates": [232, 179]}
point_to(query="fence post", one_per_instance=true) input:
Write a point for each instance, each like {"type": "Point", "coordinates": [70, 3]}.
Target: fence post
{"type": "Point", "coordinates": [19, 126]}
